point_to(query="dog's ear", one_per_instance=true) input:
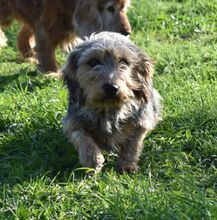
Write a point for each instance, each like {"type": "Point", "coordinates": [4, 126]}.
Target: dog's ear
{"type": "Point", "coordinates": [87, 19]}
{"type": "Point", "coordinates": [144, 72]}
{"type": "Point", "coordinates": [70, 68]}
{"type": "Point", "coordinates": [69, 77]}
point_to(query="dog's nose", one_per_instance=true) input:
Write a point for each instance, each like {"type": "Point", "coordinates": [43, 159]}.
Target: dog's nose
{"type": "Point", "coordinates": [125, 32]}
{"type": "Point", "coordinates": [110, 90]}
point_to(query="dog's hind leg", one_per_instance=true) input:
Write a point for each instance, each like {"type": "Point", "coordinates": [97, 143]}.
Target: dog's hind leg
{"type": "Point", "coordinates": [3, 39]}
{"type": "Point", "coordinates": [5, 19]}
{"type": "Point", "coordinates": [45, 49]}
{"type": "Point", "coordinates": [23, 41]}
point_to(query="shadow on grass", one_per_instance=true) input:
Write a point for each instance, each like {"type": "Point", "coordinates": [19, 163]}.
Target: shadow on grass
{"type": "Point", "coordinates": [7, 79]}
{"type": "Point", "coordinates": [24, 80]}
{"type": "Point", "coordinates": [32, 155]}
{"type": "Point", "coordinates": [45, 150]}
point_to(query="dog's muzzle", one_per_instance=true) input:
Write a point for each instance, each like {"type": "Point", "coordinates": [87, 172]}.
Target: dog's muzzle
{"type": "Point", "coordinates": [111, 91]}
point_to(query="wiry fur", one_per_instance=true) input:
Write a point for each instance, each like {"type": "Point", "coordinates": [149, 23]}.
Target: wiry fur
{"type": "Point", "coordinates": [95, 122]}
{"type": "Point", "coordinates": [53, 22]}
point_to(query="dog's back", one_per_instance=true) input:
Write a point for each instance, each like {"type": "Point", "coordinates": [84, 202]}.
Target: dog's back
{"type": "Point", "coordinates": [23, 10]}
{"type": "Point", "coordinates": [31, 12]}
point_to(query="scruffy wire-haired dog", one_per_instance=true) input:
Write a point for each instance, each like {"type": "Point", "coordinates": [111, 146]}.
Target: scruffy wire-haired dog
{"type": "Point", "coordinates": [53, 22]}
{"type": "Point", "coordinates": [112, 102]}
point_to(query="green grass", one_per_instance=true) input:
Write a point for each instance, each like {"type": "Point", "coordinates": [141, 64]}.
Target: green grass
{"type": "Point", "coordinates": [39, 171]}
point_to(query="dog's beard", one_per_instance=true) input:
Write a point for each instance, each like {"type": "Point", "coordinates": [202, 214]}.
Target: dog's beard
{"type": "Point", "coordinates": [103, 101]}
{"type": "Point", "coordinates": [107, 102]}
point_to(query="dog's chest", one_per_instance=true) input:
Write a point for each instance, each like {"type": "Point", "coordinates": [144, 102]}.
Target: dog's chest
{"type": "Point", "coordinates": [111, 132]}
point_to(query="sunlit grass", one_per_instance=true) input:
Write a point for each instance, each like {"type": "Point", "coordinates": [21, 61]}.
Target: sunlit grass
{"type": "Point", "coordinates": [39, 175]}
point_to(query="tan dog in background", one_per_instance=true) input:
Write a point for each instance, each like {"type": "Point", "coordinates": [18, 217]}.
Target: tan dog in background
{"type": "Point", "coordinates": [112, 101]}
{"type": "Point", "coordinates": [52, 22]}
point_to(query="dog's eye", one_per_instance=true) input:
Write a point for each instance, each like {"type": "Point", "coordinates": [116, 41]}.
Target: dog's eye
{"type": "Point", "coordinates": [92, 63]}
{"type": "Point", "coordinates": [124, 61]}
{"type": "Point", "coordinates": [111, 9]}
{"type": "Point", "coordinates": [122, 7]}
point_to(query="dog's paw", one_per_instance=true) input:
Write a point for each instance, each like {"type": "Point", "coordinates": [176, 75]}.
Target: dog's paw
{"type": "Point", "coordinates": [3, 39]}
{"type": "Point", "coordinates": [54, 75]}
{"type": "Point", "coordinates": [95, 162]}
{"type": "Point", "coordinates": [3, 42]}
{"type": "Point", "coordinates": [32, 60]}
{"type": "Point", "coordinates": [127, 168]}
{"type": "Point", "coordinates": [99, 163]}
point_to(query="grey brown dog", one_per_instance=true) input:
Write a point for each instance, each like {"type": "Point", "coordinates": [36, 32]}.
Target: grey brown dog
{"type": "Point", "coordinates": [112, 102]}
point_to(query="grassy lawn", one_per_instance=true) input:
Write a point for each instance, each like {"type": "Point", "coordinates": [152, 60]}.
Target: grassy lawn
{"type": "Point", "coordinates": [39, 171]}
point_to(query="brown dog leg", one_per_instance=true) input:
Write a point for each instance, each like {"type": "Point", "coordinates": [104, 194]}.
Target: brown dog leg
{"type": "Point", "coordinates": [45, 49]}
{"type": "Point", "coordinates": [23, 41]}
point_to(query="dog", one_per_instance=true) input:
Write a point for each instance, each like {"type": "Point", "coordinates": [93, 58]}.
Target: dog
{"type": "Point", "coordinates": [112, 101]}
{"type": "Point", "coordinates": [53, 22]}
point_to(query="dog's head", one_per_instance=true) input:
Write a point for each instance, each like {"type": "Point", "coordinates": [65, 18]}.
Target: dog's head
{"type": "Point", "coordinates": [92, 16]}
{"type": "Point", "coordinates": [107, 71]}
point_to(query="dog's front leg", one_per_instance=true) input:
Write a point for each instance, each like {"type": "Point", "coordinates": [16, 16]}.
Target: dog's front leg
{"type": "Point", "coordinates": [89, 153]}
{"type": "Point", "coordinates": [129, 153]}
